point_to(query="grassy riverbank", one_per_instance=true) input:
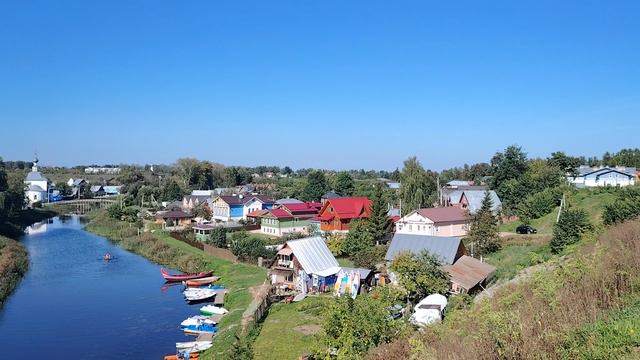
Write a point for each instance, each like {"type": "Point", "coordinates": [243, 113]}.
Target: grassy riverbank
{"type": "Point", "coordinates": [14, 263]}
{"type": "Point", "coordinates": [239, 279]}
{"type": "Point", "coordinates": [14, 260]}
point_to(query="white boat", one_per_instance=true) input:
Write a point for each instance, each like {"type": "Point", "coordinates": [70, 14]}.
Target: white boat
{"type": "Point", "coordinates": [199, 294]}
{"type": "Point", "coordinates": [197, 320]}
{"type": "Point", "coordinates": [213, 310]}
{"type": "Point", "coordinates": [193, 346]}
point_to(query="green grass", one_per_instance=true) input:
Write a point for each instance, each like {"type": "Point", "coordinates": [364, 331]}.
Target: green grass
{"type": "Point", "coordinates": [513, 258]}
{"type": "Point", "coordinates": [591, 201]}
{"type": "Point", "coordinates": [345, 262]}
{"type": "Point", "coordinates": [237, 278]}
{"type": "Point", "coordinates": [279, 339]}
{"type": "Point", "coordinates": [615, 337]}
{"type": "Point", "coordinates": [14, 263]}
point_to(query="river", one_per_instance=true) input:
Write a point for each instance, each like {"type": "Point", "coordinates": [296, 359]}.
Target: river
{"type": "Point", "coordinates": [71, 304]}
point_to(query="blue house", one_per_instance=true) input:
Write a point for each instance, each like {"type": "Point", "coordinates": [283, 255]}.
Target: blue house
{"type": "Point", "coordinates": [236, 207]}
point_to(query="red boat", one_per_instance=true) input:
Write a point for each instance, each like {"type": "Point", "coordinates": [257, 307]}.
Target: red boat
{"type": "Point", "coordinates": [184, 277]}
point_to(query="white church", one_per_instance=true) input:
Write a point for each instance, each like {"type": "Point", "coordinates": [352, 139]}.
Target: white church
{"type": "Point", "coordinates": [37, 186]}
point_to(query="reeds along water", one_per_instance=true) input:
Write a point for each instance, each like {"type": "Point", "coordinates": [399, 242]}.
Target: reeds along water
{"type": "Point", "coordinates": [531, 319]}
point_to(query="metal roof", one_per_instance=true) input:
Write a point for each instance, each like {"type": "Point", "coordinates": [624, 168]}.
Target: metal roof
{"type": "Point", "coordinates": [364, 273]}
{"type": "Point", "coordinates": [35, 176]}
{"type": "Point", "coordinates": [288, 201]}
{"type": "Point", "coordinates": [469, 272]}
{"type": "Point", "coordinates": [313, 254]}
{"type": "Point", "coordinates": [445, 214]}
{"type": "Point", "coordinates": [36, 188]}
{"type": "Point", "coordinates": [442, 247]}
{"type": "Point", "coordinates": [475, 197]}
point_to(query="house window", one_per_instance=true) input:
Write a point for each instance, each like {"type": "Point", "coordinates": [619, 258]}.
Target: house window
{"type": "Point", "coordinates": [410, 228]}
{"type": "Point", "coordinates": [289, 277]}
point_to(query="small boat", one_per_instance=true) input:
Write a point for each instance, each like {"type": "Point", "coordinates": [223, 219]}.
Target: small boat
{"type": "Point", "coordinates": [107, 257]}
{"type": "Point", "coordinates": [198, 294]}
{"type": "Point", "coordinates": [175, 357]}
{"type": "Point", "coordinates": [200, 329]}
{"type": "Point", "coordinates": [212, 287]}
{"type": "Point", "coordinates": [183, 277]}
{"type": "Point", "coordinates": [202, 345]}
{"type": "Point", "coordinates": [202, 281]}
{"type": "Point", "coordinates": [213, 310]}
{"type": "Point", "coordinates": [197, 320]}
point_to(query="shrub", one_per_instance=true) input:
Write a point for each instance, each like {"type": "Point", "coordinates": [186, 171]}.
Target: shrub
{"type": "Point", "coordinates": [368, 258]}
{"type": "Point", "coordinates": [420, 274]}
{"type": "Point", "coordinates": [569, 229]}
{"type": "Point", "coordinates": [248, 248]}
{"type": "Point", "coordinates": [626, 206]}
{"type": "Point", "coordinates": [335, 243]}
{"type": "Point", "coordinates": [539, 204]}
{"type": "Point", "coordinates": [218, 237]}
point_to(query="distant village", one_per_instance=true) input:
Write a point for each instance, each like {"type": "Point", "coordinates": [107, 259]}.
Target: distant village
{"type": "Point", "coordinates": [305, 263]}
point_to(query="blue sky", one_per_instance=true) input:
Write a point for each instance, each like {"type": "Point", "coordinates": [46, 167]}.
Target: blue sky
{"type": "Point", "coordinates": [331, 84]}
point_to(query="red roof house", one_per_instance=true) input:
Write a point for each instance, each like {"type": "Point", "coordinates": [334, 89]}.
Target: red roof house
{"type": "Point", "coordinates": [337, 213]}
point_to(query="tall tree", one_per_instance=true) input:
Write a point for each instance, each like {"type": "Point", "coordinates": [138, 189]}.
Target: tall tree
{"type": "Point", "coordinates": [316, 186]}
{"type": "Point", "coordinates": [379, 222]}
{"type": "Point", "coordinates": [483, 234]}
{"type": "Point", "coordinates": [359, 237]}
{"type": "Point", "coordinates": [171, 191]}
{"type": "Point", "coordinates": [345, 185]}
{"type": "Point", "coordinates": [567, 164]}
{"type": "Point", "coordinates": [418, 188]}
{"type": "Point", "coordinates": [508, 165]}
{"type": "Point", "coordinates": [569, 229]}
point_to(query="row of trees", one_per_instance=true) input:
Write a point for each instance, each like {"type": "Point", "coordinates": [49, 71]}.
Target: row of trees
{"type": "Point", "coordinates": [12, 199]}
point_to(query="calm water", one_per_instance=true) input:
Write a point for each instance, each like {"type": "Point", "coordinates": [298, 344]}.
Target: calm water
{"type": "Point", "coordinates": [73, 305]}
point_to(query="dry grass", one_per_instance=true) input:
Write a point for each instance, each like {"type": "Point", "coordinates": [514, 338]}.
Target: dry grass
{"type": "Point", "coordinates": [14, 263]}
{"type": "Point", "coordinates": [533, 320]}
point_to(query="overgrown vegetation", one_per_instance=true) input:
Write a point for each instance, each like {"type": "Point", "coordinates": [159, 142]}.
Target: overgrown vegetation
{"type": "Point", "coordinates": [483, 235]}
{"type": "Point", "coordinates": [573, 223]}
{"type": "Point", "coordinates": [626, 206]}
{"type": "Point", "coordinates": [420, 274]}
{"type": "Point", "coordinates": [14, 263]}
{"type": "Point", "coordinates": [562, 312]}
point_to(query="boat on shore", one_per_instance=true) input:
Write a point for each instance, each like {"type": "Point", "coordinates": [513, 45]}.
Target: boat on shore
{"type": "Point", "coordinates": [183, 277]}
{"type": "Point", "coordinates": [201, 281]}
{"type": "Point", "coordinates": [213, 310]}
{"type": "Point", "coordinates": [202, 345]}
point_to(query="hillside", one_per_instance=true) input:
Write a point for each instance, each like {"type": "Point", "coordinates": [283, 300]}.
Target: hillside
{"type": "Point", "coordinates": [580, 307]}
{"type": "Point", "coordinates": [592, 201]}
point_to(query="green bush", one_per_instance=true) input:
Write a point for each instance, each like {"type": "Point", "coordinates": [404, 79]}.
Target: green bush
{"type": "Point", "coordinates": [569, 229]}
{"type": "Point", "coordinates": [626, 206]}
{"type": "Point", "coordinates": [249, 248]}
{"type": "Point", "coordinates": [539, 204]}
{"type": "Point", "coordinates": [369, 257]}
{"type": "Point", "coordinates": [218, 237]}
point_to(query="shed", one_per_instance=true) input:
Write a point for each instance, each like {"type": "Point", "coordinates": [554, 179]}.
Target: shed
{"type": "Point", "coordinates": [469, 274]}
{"type": "Point", "coordinates": [447, 249]}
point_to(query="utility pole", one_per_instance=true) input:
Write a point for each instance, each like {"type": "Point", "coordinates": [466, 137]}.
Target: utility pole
{"type": "Point", "coordinates": [562, 204]}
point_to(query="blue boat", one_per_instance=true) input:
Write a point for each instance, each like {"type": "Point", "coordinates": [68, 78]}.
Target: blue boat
{"type": "Point", "coordinates": [212, 287]}
{"type": "Point", "coordinates": [200, 329]}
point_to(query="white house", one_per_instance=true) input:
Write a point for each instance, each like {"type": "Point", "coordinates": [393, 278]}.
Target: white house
{"type": "Point", "coordinates": [446, 221]}
{"type": "Point", "coordinates": [37, 186]}
{"type": "Point", "coordinates": [603, 176]}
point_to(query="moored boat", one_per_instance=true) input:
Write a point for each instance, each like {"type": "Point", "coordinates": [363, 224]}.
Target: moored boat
{"type": "Point", "coordinates": [175, 357]}
{"type": "Point", "coordinates": [202, 345]}
{"type": "Point", "coordinates": [213, 310]}
{"type": "Point", "coordinates": [196, 294]}
{"type": "Point", "coordinates": [197, 320]}
{"type": "Point", "coordinates": [200, 329]}
{"type": "Point", "coordinates": [184, 277]}
{"type": "Point", "coordinates": [202, 281]}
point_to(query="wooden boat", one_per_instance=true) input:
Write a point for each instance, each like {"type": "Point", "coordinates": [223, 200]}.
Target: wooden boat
{"type": "Point", "coordinates": [183, 277]}
{"type": "Point", "coordinates": [201, 281]}
{"type": "Point", "coordinates": [175, 357]}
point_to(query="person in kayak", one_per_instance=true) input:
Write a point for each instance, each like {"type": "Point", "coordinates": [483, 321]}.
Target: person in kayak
{"type": "Point", "coordinates": [107, 256]}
